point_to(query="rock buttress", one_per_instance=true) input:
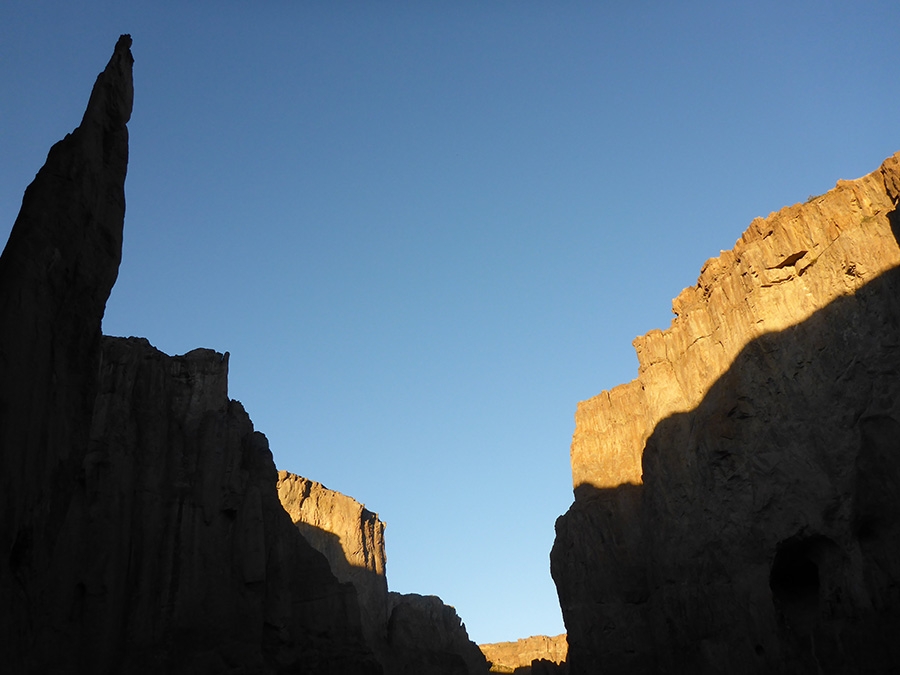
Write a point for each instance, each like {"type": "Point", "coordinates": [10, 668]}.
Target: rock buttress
{"type": "Point", "coordinates": [736, 505]}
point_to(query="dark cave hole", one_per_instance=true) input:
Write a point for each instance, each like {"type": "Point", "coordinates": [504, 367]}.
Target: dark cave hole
{"type": "Point", "coordinates": [794, 578]}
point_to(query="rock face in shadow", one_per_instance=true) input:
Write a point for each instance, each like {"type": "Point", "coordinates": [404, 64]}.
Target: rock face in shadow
{"type": "Point", "coordinates": [518, 656]}
{"type": "Point", "coordinates": [427, 637]}
{"type": "Point", "coordinates": [141, 529]}
{"type": "Point", "coordinates": [409, 633]}
{"type": "Point", "coordinates": [56, 272]}
{"type": "Point", "coordinates": [736, 505]}
{"type": "Point", "coordinates": [198, 559]}
{"type": "Point", "coordinates": [350, 536]}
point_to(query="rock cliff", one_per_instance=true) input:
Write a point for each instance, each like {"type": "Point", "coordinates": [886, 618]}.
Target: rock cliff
{"type": "Point", "coordinates": [409, 633]}
{"type": "Point", "coordinates": [141, 528]}
{"type": "Point", "coordinates": [142, 522]}
{"type": "Point", "coordinates": [56, 272]}
{"type": "Point", "coordinates": [735, 505]}
{"type": "Point", "coordinates": [518, 656]}
{"type": "Point", "coordinates": [180, 538]}
{"type": "Point", "coordinates": [350, 536]}
{"type": "Point", "coordinates": [427, 637]}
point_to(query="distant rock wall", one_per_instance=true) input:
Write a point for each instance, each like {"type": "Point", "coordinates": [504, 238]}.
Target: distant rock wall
{"type": "Point", "coordinates": [736, 505]}
{"type": "Point", "coordinates": [511, 657]}
{"type": "Point", "coordinates": [350, 536]}
{"type": "Point", "coordinates": [413, 634]}
{"type": "Point", "coordinates": [427, 637]}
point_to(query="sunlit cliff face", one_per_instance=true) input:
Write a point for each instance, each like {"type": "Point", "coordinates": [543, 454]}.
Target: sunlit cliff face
{"type": "Point", "coordinates": [781, 270]}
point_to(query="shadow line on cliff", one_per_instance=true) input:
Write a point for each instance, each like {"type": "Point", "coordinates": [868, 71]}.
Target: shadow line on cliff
{"type": "Point", "coordinates": [778, 497]}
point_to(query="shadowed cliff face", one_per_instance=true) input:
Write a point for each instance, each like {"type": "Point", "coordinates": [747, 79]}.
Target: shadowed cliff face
{"type": "Point", "coordinates": [350, 536]}
{"type": "Point", "coordinates": [140, 525]}
{"type": "Point", "coordinates": [56, 272]}
{"type": "Point", "coordinates": [414, 634]}
{"type": "Point", "coordinates": [763, 537]}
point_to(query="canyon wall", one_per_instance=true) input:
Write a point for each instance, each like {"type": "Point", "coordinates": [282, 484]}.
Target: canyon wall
{"type": "Point", "coordinates": [518, 656]}
{"type": "Point", "coordinates": [427, 637]}
{"type": "Point", "coordinates": [182, 554]}
{"type": "Point", "coordinates": [409, 633]}
{"type": "Point", "coordinates": [142, 521]}
{"type": "Point", "coordinates": [735, 505]}
{"type": "Point", "coordinates": [350, 536]}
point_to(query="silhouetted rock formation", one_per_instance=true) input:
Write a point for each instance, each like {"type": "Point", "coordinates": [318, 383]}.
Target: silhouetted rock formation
{"type": "Point", "coordinates": [142, 521]}
{"type": "Point", "coordinates": [56, 272]}
{"type": "Point", "coordinates": [141, 527]}
{"type": "Point", "coordinates": [736, 507]}
{"type": "Point", "coordinates": [409, 633]}
{"type": "Point", "coordinates": [518, 656]}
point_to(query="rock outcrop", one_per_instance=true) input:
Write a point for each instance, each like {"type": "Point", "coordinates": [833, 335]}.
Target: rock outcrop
{"type": "Point", "coordinates": [56, 272]}
{"type": "Point", "coordinates": [736, 505]}
{"type": "Point", "coordinates": [408, 633]}
{"type": "Point", "coordinates": [141, 529]}
{"type": "Point", "coordinates": [142, 525]}
{"type": "Point", "coordinates": [427, 637]}
{"type": "Point", "coordinates": [350, 536]}
{"type": "Point", "coordinates": [518, 656]}
{"type": "Point", "coordinates": [198, 555]}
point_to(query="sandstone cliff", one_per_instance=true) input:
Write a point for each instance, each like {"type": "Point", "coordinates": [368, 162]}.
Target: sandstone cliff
{"type": "Point", "coordinates": [350, 536]}
{"type": "Point", "coordinates": [140, 525]}
{"type": "Point", "coordinates": [518, 656]}
{"type": "Point", "coordinates": [735, 505]}
{"type": "Point", "coordinates": [409, 633]}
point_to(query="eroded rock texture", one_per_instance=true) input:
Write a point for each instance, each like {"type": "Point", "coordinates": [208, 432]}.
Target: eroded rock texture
{"type": "Point", "coordinates": [519, 656]}
{"type": "Point", "coordinates": [350, 536]}
{"type": "Point", "coordinates": [408, 633]}
{"type": "Point", "coordinates": [427, 637]}
{"type": "Point", "coordinates": [140, 525]}
{"type": "Point", "coordinates": [187, 552]}
{"type": "Point", "coordinates": [736, 505]}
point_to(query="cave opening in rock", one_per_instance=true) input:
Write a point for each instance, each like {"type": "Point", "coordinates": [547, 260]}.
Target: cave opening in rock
{"type": "Point", "coordinates": [795, 580]}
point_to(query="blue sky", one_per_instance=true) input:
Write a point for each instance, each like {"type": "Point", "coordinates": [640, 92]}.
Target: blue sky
{"type": "Point", "coordinates": [425, 231]}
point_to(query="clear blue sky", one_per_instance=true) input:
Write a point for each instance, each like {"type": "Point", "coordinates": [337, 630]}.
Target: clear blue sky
{"type": "Point", "coordinates": [426, 230]}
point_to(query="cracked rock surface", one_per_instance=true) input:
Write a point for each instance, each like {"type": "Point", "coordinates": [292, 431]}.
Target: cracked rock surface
{"type": "Point", "coordinates": [736, 504]}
